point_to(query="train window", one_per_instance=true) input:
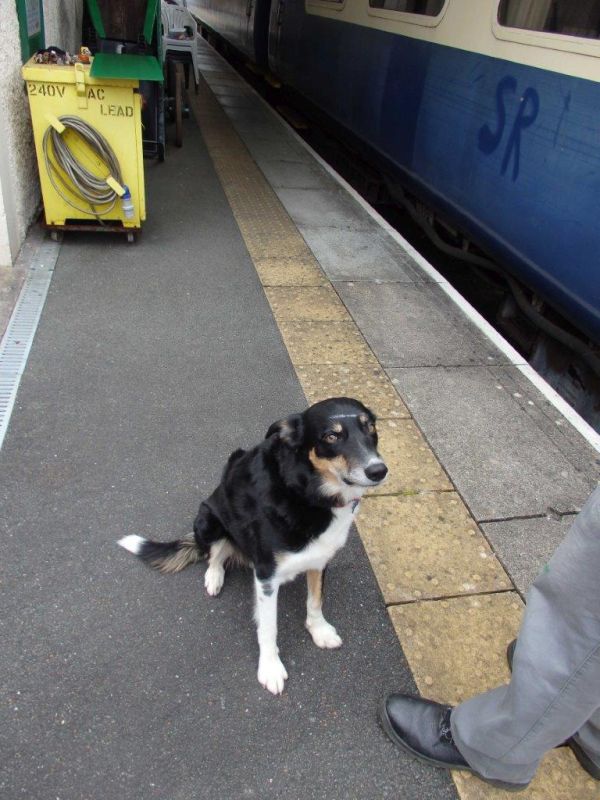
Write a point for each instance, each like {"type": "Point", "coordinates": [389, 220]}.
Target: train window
{"type": "Point", "coordinates": [581, 18]}
{"type": "Point", "coordinates": [430, 8]}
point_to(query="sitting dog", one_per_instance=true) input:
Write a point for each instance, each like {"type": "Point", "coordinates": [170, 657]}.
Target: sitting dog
{"type": "Point", "coordinates": [284, 507]}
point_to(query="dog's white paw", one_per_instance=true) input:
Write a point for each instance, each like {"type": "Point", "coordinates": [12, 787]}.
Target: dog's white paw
{"type": "Point", "coordinates": [214, 578]}
{"type": "Point", "coordinates": [324, 635]}
{"type": "Point", "coordinates": [272, 674]}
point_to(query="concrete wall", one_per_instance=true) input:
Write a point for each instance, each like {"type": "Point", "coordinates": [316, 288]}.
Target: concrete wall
{"type": "Point", "coordinates": [62, 19]}
{"type": "Point", "coordinates": [19, 187]}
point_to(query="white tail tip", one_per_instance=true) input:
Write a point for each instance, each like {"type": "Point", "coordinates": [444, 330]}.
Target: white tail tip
{"type": "Point", "coordinates": [133, 543]}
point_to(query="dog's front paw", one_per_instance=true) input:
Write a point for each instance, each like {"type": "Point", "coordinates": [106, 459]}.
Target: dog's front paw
{"type": "Point", "coordinates": [324, 635]}
{"type": "Point", "coordinates": [272, 674]}
{"type": "Point", "coordinates": [214, 578]}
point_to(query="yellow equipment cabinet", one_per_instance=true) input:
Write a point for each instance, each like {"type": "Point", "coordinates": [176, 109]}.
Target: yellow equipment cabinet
{"type": "Point", "coordinates": [109, 110]}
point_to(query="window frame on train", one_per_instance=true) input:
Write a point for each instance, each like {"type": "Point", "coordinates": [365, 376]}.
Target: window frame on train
{"type": "Point", "coordinates": [543, 9]}
{"type": "Point", "coordinates": [412, 17]}
{"type": "Point", "coordinates": [546, 39]}
{"type": "Point", "coordinates": [333, 5]}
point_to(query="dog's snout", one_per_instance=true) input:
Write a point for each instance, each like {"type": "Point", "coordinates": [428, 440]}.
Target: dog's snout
{"type": "Point", "coordinates": [376, 472]}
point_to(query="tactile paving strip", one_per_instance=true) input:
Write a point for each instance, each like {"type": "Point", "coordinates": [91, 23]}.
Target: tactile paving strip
{"type": "Point", "coordinates": [300, 271]}
{"type": "Point", "coordinates": [412, 464]}
{"type": "Point", "coordinates": [420, 537]}
{"type": "Point", "coordinates": [298, 303]}
{"type": "Point", "coordinates": [369, 382]}
{"type": "Point", "coordinates": [330, 342]}
{"type": "Point", "coordinates": [426, 545]}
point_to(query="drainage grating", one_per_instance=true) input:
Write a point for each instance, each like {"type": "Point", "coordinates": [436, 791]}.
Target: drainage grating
{"type": "Point", "coordinates": [17, 341]}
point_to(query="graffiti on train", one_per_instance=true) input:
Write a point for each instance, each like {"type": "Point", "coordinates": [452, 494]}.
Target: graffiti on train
{"type": "Point", "coordinates": [527, 111]}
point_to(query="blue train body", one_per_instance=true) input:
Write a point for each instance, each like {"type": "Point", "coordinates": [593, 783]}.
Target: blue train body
{"type": "Point", "coordinates": [509, 153]}
{"type": "Point", "coordinates": [243, 23]}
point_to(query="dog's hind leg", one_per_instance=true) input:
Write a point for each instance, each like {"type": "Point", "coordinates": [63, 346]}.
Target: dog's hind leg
{"type": "Point", "coordinates": [271, 672]}
{"type": "Point", "coordinates": [207, 528]}
{"type": "Point", "coordinates": [215, 573]}
{"type": "Point", "coordinates": [323, 634]}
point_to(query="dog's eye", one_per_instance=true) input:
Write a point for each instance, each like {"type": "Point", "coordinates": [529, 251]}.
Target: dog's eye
{"type": "Point", "coordinates": [331, 437]}
{"type": "Point", "coordinates": [371, 428]}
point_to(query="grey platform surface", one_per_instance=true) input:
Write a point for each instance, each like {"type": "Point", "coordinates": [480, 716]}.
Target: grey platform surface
{"type": "Point", "coordinates": [516, 540]}
{"type": "Point", "coordinates": [506, 454]}
{"type": "Point", "coordinates": [514, 459]}
{"type": "Point", "coordinates": [151, 363]}
{"type": "Point", "coordinates": [414, 325]}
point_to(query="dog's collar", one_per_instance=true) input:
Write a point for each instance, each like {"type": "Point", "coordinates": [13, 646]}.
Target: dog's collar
{"type": "Point", "coordinates": [353, 503]}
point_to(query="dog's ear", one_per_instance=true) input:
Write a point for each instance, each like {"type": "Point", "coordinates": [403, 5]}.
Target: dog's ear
{"type": "Point", "coordinates": [290, 430]}
{"type": "Point", "coordinates": [372, 416]}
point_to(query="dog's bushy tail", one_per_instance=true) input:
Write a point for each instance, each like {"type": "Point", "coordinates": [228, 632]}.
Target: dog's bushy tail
{"type": "Point", "coordinates": [168, 557]}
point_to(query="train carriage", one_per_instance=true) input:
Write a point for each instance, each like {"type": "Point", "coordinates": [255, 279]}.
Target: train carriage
{"type": "Point", "coordinates": [486, 110]}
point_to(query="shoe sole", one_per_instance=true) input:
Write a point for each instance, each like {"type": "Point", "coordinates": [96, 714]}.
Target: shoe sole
{"type": "Point", "coordinates": [592, 769]}
{"type": "Point", "coordinates": [388, 728]}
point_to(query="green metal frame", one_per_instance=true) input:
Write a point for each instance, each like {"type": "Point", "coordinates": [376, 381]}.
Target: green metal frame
{"type": "Point", "coordinates": [127, 66]}
{"type": "Point", "coordinates": [27, 12]}
{"type": "Point", "coordinates": [150, 19]}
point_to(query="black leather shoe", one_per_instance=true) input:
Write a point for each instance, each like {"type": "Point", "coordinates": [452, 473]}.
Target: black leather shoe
{"type": "Point", "coordinates": [423, 728]}
{"type": "Point", "coordinates": [586, 762]}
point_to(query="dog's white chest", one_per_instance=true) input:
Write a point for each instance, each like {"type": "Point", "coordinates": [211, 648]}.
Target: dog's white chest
{"type": "Point", "coordinates": [318, 553]}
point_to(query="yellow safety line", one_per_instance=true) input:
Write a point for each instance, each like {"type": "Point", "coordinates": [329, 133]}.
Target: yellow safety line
{"type": "Point", "coordinates": [453, 606]}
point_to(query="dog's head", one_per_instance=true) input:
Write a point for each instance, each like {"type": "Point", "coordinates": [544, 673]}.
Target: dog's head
{"type": "Point", "coordinates": [338, 437]}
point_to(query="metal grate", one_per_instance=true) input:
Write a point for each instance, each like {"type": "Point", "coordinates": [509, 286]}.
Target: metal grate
{"type": "Point", "coordinates": [17, 341]}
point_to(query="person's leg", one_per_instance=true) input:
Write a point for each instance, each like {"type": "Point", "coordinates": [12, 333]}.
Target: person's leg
{"type": "Point", "coordinates": [555, 685]}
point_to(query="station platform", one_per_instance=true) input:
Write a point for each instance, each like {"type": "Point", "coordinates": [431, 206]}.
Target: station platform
{"type": "Point", "coordinates": [261, 283]}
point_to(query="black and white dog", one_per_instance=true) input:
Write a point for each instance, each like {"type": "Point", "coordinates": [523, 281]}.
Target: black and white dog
{"type": "Point", "coordinates": [285, 507]}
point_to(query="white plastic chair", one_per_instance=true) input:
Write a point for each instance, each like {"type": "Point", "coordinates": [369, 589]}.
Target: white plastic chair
{"type": "Point", "coordinates": [178, 20]}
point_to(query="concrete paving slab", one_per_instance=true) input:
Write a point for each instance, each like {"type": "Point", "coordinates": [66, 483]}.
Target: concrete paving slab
{"type": "Point", "coordinates": [501, 461]}
{"type": "Point", "coordinates": [368, 384]}
{"type": "Point", "coordinates": [267, 130]}
{"type": "Point", "coordinates": [300, 271]}
{"type": "Point", "coordinates": [462, 637]}
{"type": "Point", "coordinates": [412, 465]}
{"type": "Point", "coordinates": [525, 545]}
{"type": "Point", "coordinates": [294, 175]}
{"type": "Point", "coordinates": [564, 436]}
{"type": "Point", "coordinates": [306, 302]}
{"type": "Point", "coordinates": [416, 326]}
{"type": "Point", "coordinates": [150, 365]}
{"type": "Point", "coordinates": [314, 342]}
{"type": "Point", "coordinates": [426, 546]}
{"type": "Point", "coordinates": [225, 79]}
{"type": "Point", "coordinates": [253, 115]}
{"type": "Point", "coordinates": [276, 148]}
{"type": "Point", "coordinates": [321, 208]}
{"type": "Point", "coordinates": [237, 101]}
{"type": "Point", "coordinates": [348, 255]}
{"type": "Point", "coordinates": [229, 89]}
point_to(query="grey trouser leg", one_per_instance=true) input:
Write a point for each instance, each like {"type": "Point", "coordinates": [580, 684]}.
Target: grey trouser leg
{"type": "Point", "coordinates": [555, 685]}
